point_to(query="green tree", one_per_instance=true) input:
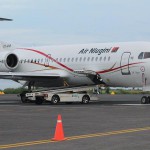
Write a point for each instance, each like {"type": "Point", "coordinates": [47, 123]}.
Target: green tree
{"type": "Point", "coordinates": [107, 90]}
{"type": "Point", "coordinates": [13, 91]}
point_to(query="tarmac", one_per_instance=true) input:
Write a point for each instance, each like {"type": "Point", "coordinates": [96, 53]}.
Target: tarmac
{"type": "Point", "coordinates": [115, 122]}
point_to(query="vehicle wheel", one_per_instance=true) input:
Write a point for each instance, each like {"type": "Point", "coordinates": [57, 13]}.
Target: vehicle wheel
{"type": "Point", "coordinates": [23, 98]}
{"type": "Point", "coordinates": [55, 99]}
{"type": "Point", "coordinates": [144, 100]}
{"type": "Point", "coordinates": [85, 99]}
{"type": "Point", "coordinates": [39, 100]}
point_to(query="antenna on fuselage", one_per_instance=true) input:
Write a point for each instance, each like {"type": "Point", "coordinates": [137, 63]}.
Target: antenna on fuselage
{"type": "Point", "coordinates": [5, 19]}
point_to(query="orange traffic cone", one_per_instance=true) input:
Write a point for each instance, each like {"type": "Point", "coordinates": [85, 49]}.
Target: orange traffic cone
{"type": "Point", "coordinates": [59, 132]}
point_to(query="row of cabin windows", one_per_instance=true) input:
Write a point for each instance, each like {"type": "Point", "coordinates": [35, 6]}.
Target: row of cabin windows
{"type": "Point", "coordinates": [66, 60]}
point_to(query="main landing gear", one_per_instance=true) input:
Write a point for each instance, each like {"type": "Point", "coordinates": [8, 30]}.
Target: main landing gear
{"type": "Point", "coordinates": [145, 100]}
{"type": "Point", "coordinates": [23, 98]}
{"type": "Point", "coordinates": [22, 95]}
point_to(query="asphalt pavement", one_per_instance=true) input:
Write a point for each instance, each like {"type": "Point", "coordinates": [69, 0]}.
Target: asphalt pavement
{"type": "Point", "coordinates": [114, 122]}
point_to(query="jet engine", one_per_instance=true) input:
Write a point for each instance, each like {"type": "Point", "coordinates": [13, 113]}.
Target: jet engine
{"type": "Point", "coordinates": [8, 61]}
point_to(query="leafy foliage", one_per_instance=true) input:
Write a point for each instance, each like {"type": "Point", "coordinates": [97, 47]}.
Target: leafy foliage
{"type": "Point", "coordinates": [13, 91]}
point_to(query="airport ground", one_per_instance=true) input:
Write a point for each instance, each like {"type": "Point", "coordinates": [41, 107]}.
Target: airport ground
{"type": "Point", "coordinates": [113, 123]}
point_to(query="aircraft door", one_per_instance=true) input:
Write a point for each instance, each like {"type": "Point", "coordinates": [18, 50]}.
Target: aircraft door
{"type": "Point", "coordinates": [124, 64]}
{"type": "Point", "coordinates": [47, 61]}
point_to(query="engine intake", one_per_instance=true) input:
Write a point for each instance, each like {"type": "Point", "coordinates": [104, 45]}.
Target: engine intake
{"type": "Point", "coordinates": [8, 61]}
{"type": "Point", "coordinates": [12, 61]}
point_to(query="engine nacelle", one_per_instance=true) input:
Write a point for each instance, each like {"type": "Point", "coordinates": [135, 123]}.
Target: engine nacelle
{"type": "Point", "coordinates": [8, 61]}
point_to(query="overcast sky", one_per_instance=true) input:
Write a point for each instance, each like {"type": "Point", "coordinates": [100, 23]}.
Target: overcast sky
{"type": "Point", "coordinates": [48, 22]}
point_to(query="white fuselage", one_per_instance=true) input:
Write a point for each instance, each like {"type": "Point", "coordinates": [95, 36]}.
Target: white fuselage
{"type": "Point", "coordinates": [118, 64]}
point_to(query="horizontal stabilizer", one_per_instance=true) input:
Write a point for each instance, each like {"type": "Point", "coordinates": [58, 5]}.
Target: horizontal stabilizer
{"type": "Point", "coordinates": [5, 19]}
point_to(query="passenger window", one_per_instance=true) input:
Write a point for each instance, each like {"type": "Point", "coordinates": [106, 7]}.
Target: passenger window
{"type": "Point", "coordinates": [146, 55]}
{"type": "Point", "coordinates": [76, 59]}
{"type": "Point", "coordinates": [96, 58]}
{"type": "Point", "coordinates": [109, 58]}
{"type": "Point", "coordinates": [92, 59]}
{"type": "Point", "coordinates": [88, 59]}
{"type": "Point", "coordinates": [80, 58]}
{"type": "Point", "coordinates": [72, 59]}
{"type": "Point", "coordinates": [100, 59]}
{"type": "Point", "coordinates": [64, 59]}
{"type": "Point", "coordinates": [68, 59]}
{"type": "Point", "coordinates": [104, 58]}
{"type": "Point", "coordinates": [84, 58]}
{"type": "Point", "coordinates": [140, 56]}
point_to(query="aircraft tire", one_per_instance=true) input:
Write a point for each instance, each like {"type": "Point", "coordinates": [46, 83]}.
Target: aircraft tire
{"type": "Point", "coordinates": [144, 100]}
{"type": "Point", "coordinates": [85, 99]}
{"type": "Point", "coordinates": [23, 98]}
{"type": "Point", "coordinates": [55, 99]}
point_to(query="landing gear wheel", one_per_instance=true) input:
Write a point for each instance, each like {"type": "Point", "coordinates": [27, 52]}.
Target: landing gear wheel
{"type": "Point", "coordinates": [85, 99]}
{"type": "Point", "coordinates": [55, 99]}
{"type": "Point", "coordinates": [144, 100]}
{"type": "Point", "coordinates": [39, 100]}
{"type": "Point", "coordinates": [23, 98]}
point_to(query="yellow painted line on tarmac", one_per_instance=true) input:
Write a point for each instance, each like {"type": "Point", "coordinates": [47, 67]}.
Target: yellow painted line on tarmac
{"type": "Point", "coordinates": [25, 144]}
{"type": "Point", "coordinates": [117, 132]}
{"type": "Point", "coordinates": [109, 133]}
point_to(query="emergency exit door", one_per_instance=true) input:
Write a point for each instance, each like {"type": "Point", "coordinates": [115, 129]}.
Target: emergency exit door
{"type": "Point", "coordinates": [124, 64]}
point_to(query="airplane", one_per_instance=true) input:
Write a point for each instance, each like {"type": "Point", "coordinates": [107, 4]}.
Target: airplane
{"type": "Point", "coordinates": [122, 64]}
{"type": "Point", "coordinates": [5, 19]}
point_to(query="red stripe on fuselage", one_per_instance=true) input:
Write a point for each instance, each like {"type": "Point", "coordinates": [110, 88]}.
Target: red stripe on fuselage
{"type": "Point", "coordinates": [99, 72]}
{"type": "Point", "coordinates": [112, 69]}
{"type": "Point", "coordinates": [39, 52]}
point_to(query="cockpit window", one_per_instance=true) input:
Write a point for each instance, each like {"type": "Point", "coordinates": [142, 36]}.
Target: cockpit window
{"type": "Point", "coordinates": [146, 55]}
{"type": "Point", "coordinates": [140, 56]}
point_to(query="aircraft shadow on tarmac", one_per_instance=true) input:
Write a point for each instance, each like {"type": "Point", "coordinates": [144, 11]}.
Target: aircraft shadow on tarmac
{"type": "Point", "coordinates": [69, 104]}
{"type": "Point", "coordinates": [103, 100]}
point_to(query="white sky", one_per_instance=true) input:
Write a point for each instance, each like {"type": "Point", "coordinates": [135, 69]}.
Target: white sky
{"type": "Point", "coordinates": [44, 22]}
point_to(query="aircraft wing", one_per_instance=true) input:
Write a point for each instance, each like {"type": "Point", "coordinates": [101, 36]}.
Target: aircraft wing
{"type": "Point", "coordinates": [28, 75]}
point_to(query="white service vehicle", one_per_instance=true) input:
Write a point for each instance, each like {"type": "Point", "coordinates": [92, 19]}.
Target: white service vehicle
{"type": "Point", "coordinates": [69, 98]}
{"type": "Point", "coordinates": [68, 95]}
